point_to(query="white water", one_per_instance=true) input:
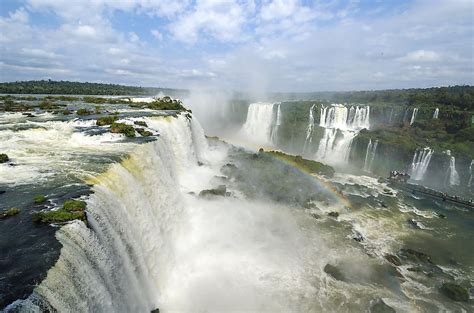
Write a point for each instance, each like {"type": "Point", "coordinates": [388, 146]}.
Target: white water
{"type": "Point", "coordinates": [309, 130]}
{"type": "Point", "coordinates": [370, 155]}
{"type": "Point", "coordinates": [420, 163]}
{"type": "Point", "coordinates": [436, 113]}
{"type": "Point", "coordinates": [259, 125]}
{"type": "Point", "coordinates": [341, 125]}
{"type": "Point", "coordinates": [276, 125]}
{"type": "Point", "coordinates": [452, 176]}
{"type": "Point", "coordinates": [471, 174]}
{"type": "Point", "coordinates": [413, 116]}
{"type": "Point", "coordinates": [155, 245]}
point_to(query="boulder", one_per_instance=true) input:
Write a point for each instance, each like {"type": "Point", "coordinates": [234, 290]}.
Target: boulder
{"type": "Point", "coordinates": [4, 158]}
{"type": "Point", "coordinates": [378, 306]}
{"type": "Point", "coordinates": [334, 272]}
{"type": "Point", "coordinates": [219, 191]}
{"type": "Point", "coordinates": [393, 259]}
{"type": "Point", "coordinates": [333, 214]}
{"type": "Point", "coordinates": [415, 256]}
{"type": "Point", "coordinates": [454, 292]}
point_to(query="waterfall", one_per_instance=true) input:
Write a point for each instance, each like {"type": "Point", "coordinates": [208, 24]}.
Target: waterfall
{"type": "Point", "coordinates": [471, 168]}
{"type": "Point", "coordinates": [261, 124]}
{"type": "Point", "coordinates": [413, 116]}
{"type": "Point", "coordinates": [341, 125]}
{"type": "Point", "coordinates": [370, 155]}
{"type": "Point", "coordinates": [452, 176]}
{"type": "Point", "coordinates": [436, 113]}
{"type": "Point", "coordinates": [390, 117]}
{"type": "Point", "coordinates": [420, 162]}
{"type": "Point", "coordinates": [309, 130]}
{"type": "Point", "coordinates": [276, 125]}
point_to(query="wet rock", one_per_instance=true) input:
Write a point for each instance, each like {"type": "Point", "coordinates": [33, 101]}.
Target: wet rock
{"type": "Point", "coordinates": [358, 236]}
{"type": "Point", "coordinates": [413, 223]}
{"type": "Point", "coordinates": [440, 215]}
{"type": "Point", "coordinates": [2, 192]}
{"type": "Point", "coordinates": [314, 215]}
{"type": "Point", "coordinates": [141, 123]}
{"type": "Point", "coordinates": [455, 292]}
{"type": "Point", "coordinates": [415, 256]}
{"type": "Point", "coordinates": [155, 311]}
{"type": "Point", "coordinates": [334, 272]}
{"type": "Point", "coordinates": [219, 191]}
{"type": "Point", "coordinates": [333, 214]}
{"type": "Point", "coordinates": [415, 269]}
{"type": "Point", "coordinates": [4, 158]}
{"type": "Point", "coordinates": [143, 132]}
{"type": "Point", "coordinates": [393, 259]}
{"type": "Point", "coordinates": [378, 306]}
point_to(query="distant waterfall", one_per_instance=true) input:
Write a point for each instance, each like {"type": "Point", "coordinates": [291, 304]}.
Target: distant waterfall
{"type": "Point", "coordinates": [309, 130]}
{"type": "Point", "coordinates": [471, 168]}
{"type": "Point", "coordinates": [341, 125]}
{"type": "Point", "coordinates": [390, 117]}
{"type": "Point", "coordinates": [452, 176]}
{"type": "Point", "coordinates": [276, 125]}
{"type": "Point", "coordinates": [413, 116]}
{"type": "Point", "coordinates": [436, 113]}
{"type": "Point", "coordinates": [420, 163]}
{"type": "Point", "coordinates": [261, 124]}
{"type": "Point", "coordinates": [370, 155]}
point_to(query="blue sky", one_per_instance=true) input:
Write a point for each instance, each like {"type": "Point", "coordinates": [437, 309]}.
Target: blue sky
{"type": "Point", "coordinates": [268, 45]}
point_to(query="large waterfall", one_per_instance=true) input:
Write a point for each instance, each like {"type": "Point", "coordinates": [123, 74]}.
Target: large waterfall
{"type": "Point", "coordinates": [341, 125]}
{"type": "Point", "coordinates": [309, 130]}
{"type": "Point", "coordinates": [452, 176]}
{"type": "Point", "coordinates": [420, 163]}
{"type": "Point", "coordinates": [261, 125]}
{"type": "Point", "coordinates": [370, 155]}
{"type": "Point", "coordinates": [413, 115]}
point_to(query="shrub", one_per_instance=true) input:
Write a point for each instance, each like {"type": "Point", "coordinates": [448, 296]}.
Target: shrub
{"type": "Point", "coordinates": [39, 199]}
{"type": "Point", "coordinates": [122, 128]}
{"type": "Point", "coordinates": [83, 112]}
{"type": "Point", "coordinates": [107, 120]}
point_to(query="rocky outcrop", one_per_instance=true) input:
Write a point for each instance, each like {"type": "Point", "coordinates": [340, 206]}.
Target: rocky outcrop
{"type": "Point", "coordinates": [454, 292]}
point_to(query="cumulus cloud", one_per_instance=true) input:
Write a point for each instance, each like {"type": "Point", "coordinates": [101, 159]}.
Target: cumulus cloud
{"type": "Point", "coordinates": [241, 44]}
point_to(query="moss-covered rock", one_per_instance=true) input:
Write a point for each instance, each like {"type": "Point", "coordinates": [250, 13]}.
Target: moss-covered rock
{"type": "Point", "coordinates": [71, 210]}
{"type": "Point", "coordinates": [39, 199]}
{"type": "Point", "coordinates": [141, 123]}
{"type": "Point", "coordinates": [305, 165]}
{"type": "Point", "coordinates": [143, 132]}
{"type": "Point", "coordinates": [4, 158]}
{"type": "Point", "coordinates": [83, 112]}
{"type": "Point", "coordinates": [455, 292]}
{"type": "Point", "coordinates": [106, 120]}
{"type": "Point", "coordinates": [8, 213]}
{"type": "Point", "coordinates": [122, 128]}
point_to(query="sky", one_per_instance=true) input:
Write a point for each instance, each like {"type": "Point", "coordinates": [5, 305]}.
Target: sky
{"type": "Point", "coordinates": [270, 45]}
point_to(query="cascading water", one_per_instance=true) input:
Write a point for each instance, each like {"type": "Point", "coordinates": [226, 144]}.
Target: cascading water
{"type": "Point", "coordinates": [260, 125]}
{"type": "Point", "coordinates": [471, 168]}
{"type": "Point", "coordinates": [341, 125]}
{"type": "Point", "coordinates": [452, 176]}
{"type": "Point", "coordinates": [420, 163]}
{"type": "Point", "coordinates": [370, 155]}
{"type": "Point", "coordinates": [435, 113]}
{"type": "Point", "coordinates": [413, 115]}
{"type": "Point", "coordinates": [309, 130]}
{"type": "Point", "coordinates": [276, 125]}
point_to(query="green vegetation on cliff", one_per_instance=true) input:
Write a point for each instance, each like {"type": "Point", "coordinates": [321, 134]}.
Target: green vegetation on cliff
{"type": "Point", "coordinates": [71, 210]}
{"type": "Point", "coordinates": [305, 165]}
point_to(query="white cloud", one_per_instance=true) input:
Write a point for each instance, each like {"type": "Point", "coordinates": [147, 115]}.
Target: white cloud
{"type": "Point", "coordinates": [421, 56]}
{"type": "Point", "coordinates": [157, 34]}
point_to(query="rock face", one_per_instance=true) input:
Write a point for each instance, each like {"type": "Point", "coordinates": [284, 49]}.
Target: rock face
{"type": "Point", "coordinates": [415, 256]}
{"type": "Point", "coordinates": [334, 272]}
{"type": "Point", "coordinates": [393, 259]}
{"type": "Point", "coordinates": [455, 292]}
{"type": "Point", "coordinates": [378, 306]}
